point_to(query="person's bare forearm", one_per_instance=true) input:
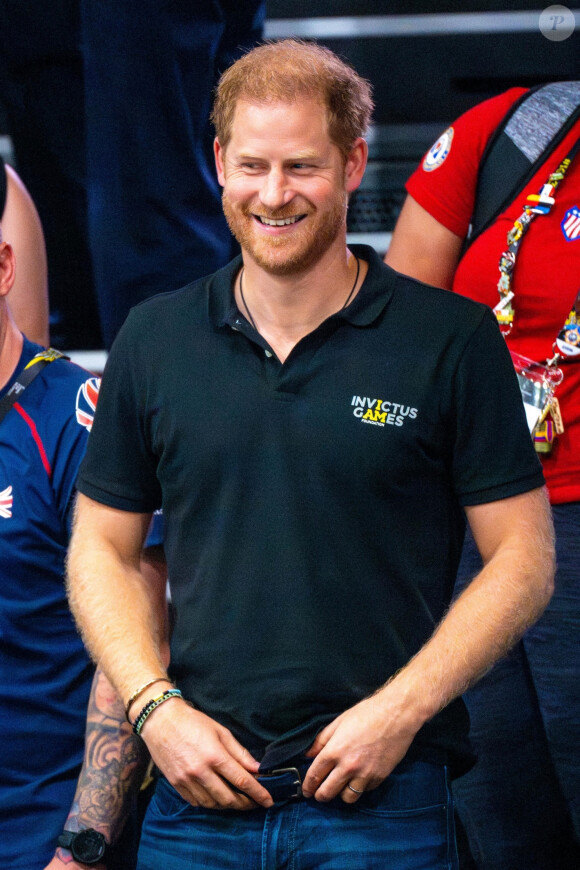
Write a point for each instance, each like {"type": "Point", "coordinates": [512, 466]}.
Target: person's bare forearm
{"type": "Point", "coordinates": [122, 620]}
{"type": "Point", "coordinates": [491, 614]}
{"type": "Point", "coordinates": [113, 769]}
{"type": "Point", "coordinates": [366, 742]}
{"type": "Point", "coordinates": [123, 623]}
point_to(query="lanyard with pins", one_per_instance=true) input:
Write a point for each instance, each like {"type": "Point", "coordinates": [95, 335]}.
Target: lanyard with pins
{"type": "Point", "coordinates": [568, 341]}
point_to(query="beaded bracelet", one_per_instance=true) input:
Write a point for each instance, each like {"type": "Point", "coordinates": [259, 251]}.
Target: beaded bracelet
{"type": "Point", "coordinates": [142, 688]}
{"type": "Point", "coordinates": [152, 705]}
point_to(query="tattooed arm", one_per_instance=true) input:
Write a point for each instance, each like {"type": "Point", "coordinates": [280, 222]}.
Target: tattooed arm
{"type": "Point", "coordinates": [115, 761]}
{"type": "Point", "coordinates": [113, 769]}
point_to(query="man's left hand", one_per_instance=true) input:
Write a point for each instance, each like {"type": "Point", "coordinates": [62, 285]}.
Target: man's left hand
{"type": "Point", "coordinates": [359, 748]}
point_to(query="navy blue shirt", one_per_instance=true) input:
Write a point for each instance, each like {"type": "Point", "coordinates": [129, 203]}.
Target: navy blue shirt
{"type": "Point", "coordinates": [45, 673]}
{"type": "Point", "coordinates": [313, 509]}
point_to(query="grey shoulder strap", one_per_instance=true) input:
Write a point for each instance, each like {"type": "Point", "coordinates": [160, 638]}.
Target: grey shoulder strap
{"type": "Point", "coordinates": [530, 132]}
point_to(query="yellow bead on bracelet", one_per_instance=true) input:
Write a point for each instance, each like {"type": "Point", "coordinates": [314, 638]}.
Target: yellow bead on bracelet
{"type": "Point", "coordinates": [142, 688]}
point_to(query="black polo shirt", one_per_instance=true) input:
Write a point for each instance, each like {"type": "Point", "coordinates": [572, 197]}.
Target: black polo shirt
{"type": "Point", "coordinates": [313, 510]}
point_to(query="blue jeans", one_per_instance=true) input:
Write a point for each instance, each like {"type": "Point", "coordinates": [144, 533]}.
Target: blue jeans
{"type": "Point", "coordinates": [520, 804]}
{"type": "Point", "coordinates": [404, 824]}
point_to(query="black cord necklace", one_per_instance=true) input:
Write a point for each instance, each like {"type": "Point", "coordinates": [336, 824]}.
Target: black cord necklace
{"type": "Point", "coordinates": [347, 300]}
{"type": "Point", "coordinates": [253, 322]}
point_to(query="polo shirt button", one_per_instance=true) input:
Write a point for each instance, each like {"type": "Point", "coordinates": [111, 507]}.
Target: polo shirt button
{"type": "Point", "coordinates": [268, 353]}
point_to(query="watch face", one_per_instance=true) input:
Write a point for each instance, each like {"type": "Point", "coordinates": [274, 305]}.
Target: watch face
{"type": "Point", "coordinates": [88, 846]}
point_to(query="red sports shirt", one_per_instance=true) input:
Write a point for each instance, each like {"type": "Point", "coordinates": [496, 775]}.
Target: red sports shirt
{"type": "Point", "coordinates": [547, 273]}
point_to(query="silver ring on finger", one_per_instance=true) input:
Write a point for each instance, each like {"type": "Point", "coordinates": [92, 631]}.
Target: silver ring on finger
{"type": "Point", "coordinates": [355, 790]}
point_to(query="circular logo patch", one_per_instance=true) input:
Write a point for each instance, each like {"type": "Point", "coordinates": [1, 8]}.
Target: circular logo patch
{"type": "Point", "coordinates": [439, 151]}
{"type": "Point", "coordinates": [557, 23]}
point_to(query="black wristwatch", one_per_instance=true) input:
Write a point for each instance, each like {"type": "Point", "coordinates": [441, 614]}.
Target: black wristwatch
{"type": "Point", "coordinates": [87, 847]}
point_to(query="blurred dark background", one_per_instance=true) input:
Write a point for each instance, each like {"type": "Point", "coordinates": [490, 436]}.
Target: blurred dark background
{"type": "Point", "coordinates": [427, 61]}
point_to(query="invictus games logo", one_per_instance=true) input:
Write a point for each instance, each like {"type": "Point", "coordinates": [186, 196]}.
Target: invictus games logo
{"type": "Point", "coordinates": [382, 412]}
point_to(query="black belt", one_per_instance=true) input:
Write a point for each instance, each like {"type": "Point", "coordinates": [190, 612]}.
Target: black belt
{"type": "Point", "coordinates": [284, 783]}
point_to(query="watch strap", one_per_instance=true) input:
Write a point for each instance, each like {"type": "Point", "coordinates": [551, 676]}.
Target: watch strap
{"type": "Point", "coordinates": [65, 839]}
{"type": "Point", "coordinates": [70, 840]}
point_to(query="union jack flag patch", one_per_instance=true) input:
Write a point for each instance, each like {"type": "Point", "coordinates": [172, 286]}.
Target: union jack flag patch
{"type": "Point", "coordinates": [87, 402]}
{"type": "Point", "coordinates": [571, 224]}
{"type": "Point", "coordinates": [6, 502]}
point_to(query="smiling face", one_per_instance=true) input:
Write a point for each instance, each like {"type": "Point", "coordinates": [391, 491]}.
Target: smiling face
{"type": "Point", "coordinates": [285, 184]}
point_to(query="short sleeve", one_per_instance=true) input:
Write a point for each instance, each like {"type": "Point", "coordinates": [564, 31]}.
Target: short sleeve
{"type": "Point", "coordinates": [493, 455]}
{"type": "Point", "coordinates": [119, 468]}
{"type": "Point", "coordinates": [445, 182]}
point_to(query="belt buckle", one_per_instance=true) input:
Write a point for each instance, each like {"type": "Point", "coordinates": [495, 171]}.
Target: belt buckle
{"type": "Point", "coordinates": [280, 770]}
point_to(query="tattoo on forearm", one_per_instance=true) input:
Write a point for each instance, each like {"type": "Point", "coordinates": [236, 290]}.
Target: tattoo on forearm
{"type": "Point", "coordinates": [114, 766]}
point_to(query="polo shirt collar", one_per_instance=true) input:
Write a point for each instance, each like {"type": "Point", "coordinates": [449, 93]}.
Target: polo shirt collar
{"type": "Point", "coordinates": [376, 290]}
{"type": "Point", "coordinates": [368, 304]}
